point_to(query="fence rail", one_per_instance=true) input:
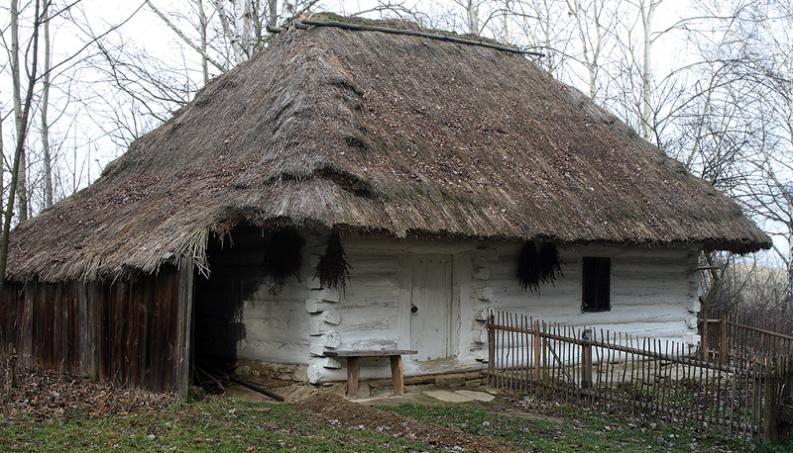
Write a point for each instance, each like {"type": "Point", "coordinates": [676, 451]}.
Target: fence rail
{"type": "Point", "coordinates": [729, 339]}
{"type": "Point", "coordinates": [659, 379]}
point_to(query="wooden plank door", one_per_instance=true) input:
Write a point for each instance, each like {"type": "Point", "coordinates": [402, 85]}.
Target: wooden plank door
{"type": "Point", "coordinates": [431, 306]}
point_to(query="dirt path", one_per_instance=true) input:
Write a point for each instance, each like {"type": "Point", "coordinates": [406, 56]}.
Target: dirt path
{"type": "Point", "coordinates": [335, 409]}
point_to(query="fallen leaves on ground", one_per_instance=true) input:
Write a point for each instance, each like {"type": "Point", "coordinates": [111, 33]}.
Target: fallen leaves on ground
{"type": "Point", "coordinates": [44, 394]}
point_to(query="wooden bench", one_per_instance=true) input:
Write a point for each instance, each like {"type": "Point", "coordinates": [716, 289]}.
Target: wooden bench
{"type": "Point", "coordinates": [354, 367]}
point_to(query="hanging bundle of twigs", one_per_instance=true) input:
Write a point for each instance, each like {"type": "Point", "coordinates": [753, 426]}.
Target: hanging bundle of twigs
{"type": "Point", "coordinates": [333, 270]}
{"type": "Point", "coordinates": [538, 267]}
{"type": "Point", "coordinates": [550, 267]}
{"type": "Point", "coordinates": [528, 272]}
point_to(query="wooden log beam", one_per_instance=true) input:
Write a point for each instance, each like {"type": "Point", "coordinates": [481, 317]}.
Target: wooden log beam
{"type": "Point", "coordinates": [421, 34]}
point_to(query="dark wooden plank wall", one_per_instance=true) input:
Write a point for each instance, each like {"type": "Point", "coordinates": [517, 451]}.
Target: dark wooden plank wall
{"type": "Point", "coordinates": [125, 332]}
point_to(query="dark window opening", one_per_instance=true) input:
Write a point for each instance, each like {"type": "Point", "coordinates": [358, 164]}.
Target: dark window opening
{"type": "Point", "coordinates": [596, 284]}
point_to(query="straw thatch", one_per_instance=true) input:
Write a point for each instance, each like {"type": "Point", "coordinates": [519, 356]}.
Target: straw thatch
{"type": "Point", "coordinates": [379, 133]}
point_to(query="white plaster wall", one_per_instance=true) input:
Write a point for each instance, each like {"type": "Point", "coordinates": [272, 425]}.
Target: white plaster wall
{"type": "Point", "coordinates": [654, 293]}
{"type": "Point", "coordinates": [276, 325]}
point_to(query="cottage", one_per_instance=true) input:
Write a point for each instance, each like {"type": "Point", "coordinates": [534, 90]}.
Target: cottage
{"type": "Point", "coordinates": [362, 190]}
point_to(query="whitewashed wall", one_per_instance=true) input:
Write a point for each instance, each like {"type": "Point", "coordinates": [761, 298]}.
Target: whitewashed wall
{"type": "Point", "coordinates": [276, 325]}
{"type": "Point", "coordinates": [653, 293]}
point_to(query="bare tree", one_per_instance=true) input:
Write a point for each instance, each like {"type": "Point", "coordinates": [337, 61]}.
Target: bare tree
{"type": "Point", "coordinates": [45, 100]}
{"type": "Point", "coordinates": [22, 107]}
{"type": "Point", "coordinates": [20, 119]}
{"type": "Point", "coordinates": [647, 9]}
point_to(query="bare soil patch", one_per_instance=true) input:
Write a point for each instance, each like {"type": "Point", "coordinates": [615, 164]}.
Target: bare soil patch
{"type": "Point", "coordinates": [336, 410]}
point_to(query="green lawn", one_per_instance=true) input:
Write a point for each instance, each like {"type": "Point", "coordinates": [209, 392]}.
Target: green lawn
{"type": "Point", "coordinates": [569, 434]}
{"type": "Point", "coordinates": [218, 424]}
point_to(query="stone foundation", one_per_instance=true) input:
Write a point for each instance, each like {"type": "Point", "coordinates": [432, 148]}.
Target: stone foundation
{"type": "Point", "coordinates": [270, 370]}
{"type": "Point", "coordinates": [366, 388]}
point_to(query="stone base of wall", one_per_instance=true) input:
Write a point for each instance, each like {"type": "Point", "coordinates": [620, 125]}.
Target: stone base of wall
{"type": "Point", "coordinates": [382, 387]}
{"type": "Point", "coordinates": [288, 373]}
{"type": "Point", "coordinates": [271, 370]}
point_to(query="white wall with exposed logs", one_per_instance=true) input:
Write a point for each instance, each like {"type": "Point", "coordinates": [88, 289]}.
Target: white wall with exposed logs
{"type": "Point", "coordinates": [653, 294]}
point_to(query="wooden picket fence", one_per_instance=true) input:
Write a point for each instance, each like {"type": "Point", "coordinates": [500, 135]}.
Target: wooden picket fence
{"type": "Point", "coordinates": [663, 380]}
{"type": "Point", "coordinates": [732, 340]}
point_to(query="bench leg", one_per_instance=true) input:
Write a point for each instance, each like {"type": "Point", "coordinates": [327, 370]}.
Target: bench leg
{"type": "Point", "coordinates": [353, 369]}
{"type": "Point", "coordinates": [397, 375]}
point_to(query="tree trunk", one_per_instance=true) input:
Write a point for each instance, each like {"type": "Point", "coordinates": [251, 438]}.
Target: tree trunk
{"type": "Point", "coordinates": [647, 11]}
{"type": "Point", "coordinates": [17, 93]}
{"type": "Point", "coordinates": [472, 11]}
{"type": "Point", "coordinates": [23, 117]}
{"type": "Point", "coordinates": [202, 27]}
{"type": "Point", "coordinates": [22, 186]}
{"type": "Point", "coordinates": [272, 13]}
{"type": "Point", "coordinates": [243, 8]}
{"type": "Point", "coordinates": [505, 18]}
{"type": "Point", "coordinates": [231, 34]}
{"type": "Point", "coordinates": [45, 101]}
{"type": "Point", "coordinates": [790, 268]}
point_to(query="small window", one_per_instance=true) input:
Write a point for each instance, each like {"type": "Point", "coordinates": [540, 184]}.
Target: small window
{"type": "Point", "coordinates": [596, 284]}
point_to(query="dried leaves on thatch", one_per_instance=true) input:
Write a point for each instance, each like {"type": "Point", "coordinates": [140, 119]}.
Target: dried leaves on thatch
{"type": "Point", "coordinates": [333, 270]}
{"type": "Point", "coordinates": [536, 267]}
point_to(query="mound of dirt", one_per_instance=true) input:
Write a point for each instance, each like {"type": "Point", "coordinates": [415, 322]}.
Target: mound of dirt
{"type": "Point", "coordinates": [46, 394]}
{"type": "Point", "coordinates": [337, 410]}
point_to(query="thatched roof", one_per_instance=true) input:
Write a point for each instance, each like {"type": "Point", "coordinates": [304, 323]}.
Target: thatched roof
{"type": "Point", "coordinates": [380, 133]}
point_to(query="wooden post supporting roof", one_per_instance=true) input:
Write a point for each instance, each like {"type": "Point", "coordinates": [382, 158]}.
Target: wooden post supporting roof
{"type": "Point", "coordinates": [184, 325]}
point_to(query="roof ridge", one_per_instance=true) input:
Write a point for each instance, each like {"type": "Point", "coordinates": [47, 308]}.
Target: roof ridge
{"type": "Point", "coordinates": [302, 24]}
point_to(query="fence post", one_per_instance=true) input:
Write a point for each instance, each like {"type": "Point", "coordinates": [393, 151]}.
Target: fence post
{"type": "Point", "coordinates": [537, 348]}
{"type": "Point", "coordinates": [705, 338]}
{"type": "Point", "coordinates": [758, 388]}
{"type": "Point", "coordinates": [586, 359]}
{"type": "Point", "coordinates": [723, 343]}
{"type": "Point", "coordinates": [491, 348]}
{"type": "Point", "coordinates": [770, 403]}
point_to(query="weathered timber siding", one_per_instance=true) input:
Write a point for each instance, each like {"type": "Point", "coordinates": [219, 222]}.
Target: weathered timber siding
{"type": "Point", "coordinates": [123, 332]}
{"type": "Point", "coordinates": [41, 321]}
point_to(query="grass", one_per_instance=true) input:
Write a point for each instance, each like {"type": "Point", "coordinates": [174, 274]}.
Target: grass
{"type": "Point", "coordinates": [569, 434]}
{"type": "Point", "coordinates": [215, 424]}
{"type": "Point", "coordinates": [224, 425]}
